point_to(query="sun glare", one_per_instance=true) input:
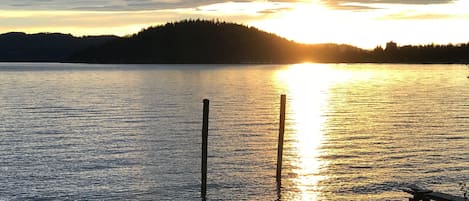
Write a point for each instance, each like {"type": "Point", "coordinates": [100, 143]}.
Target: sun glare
{"type": "Point", "coordinates": [287, 23]}
{"type": "Point", "coordinates": [313, 23]}
{"type": "Point", "coordinates": [307, 86]}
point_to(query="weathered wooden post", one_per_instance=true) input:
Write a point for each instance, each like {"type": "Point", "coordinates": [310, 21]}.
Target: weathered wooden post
{"type": "Point", "coordinates": [283, 100]}
{"type": "Point", "coordinates": [203, 190]}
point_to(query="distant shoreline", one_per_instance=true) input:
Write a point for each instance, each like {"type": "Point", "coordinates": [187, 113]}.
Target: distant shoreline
{"type": "Point", "coordinates": [211, 42]}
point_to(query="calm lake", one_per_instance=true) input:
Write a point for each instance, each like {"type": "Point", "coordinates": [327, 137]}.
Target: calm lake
{"type": "Point", "coordinates": [133, 132]}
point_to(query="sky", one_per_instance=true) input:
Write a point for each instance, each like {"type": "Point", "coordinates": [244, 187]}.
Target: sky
{"type": "Point", "coordinates": [363, 23]}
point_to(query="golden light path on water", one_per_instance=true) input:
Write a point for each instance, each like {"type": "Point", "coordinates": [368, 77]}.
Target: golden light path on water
{"type": "Point", "coordinates": [307, 88]}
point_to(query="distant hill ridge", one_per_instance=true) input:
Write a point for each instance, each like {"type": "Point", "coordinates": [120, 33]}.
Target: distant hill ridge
{"type": "Point", "coordinates": [45, 47]}
{"type": "Point", "coordinates": [204, 41]}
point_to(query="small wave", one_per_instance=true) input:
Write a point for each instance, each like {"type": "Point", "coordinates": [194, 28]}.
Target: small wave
{"type": "Point", "coordinates": [376, 188]}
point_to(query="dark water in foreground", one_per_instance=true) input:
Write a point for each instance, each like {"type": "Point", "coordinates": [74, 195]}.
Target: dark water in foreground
{"type": "Point", "coordinates": [132, 132]}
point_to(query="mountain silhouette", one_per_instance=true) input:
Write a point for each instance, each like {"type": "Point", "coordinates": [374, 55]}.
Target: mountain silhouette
{"type": "Point", "coordinates": [44, 47]}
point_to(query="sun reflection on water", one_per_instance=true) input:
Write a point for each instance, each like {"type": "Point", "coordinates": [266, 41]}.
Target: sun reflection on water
{"type": "Point", "coordinates": [307, 88]}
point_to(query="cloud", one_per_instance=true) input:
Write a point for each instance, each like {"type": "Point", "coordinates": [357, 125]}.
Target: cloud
{"type": "Point", "coordinates": [274, 10]}
{"type": "Point", "coordinates": [101, 5]}
{"type": "Point", "coordinates": [139, 5]}
{"type": "Point", "coordinates": [373, 4]}
{"type": "Point", "coordinates": [411, 15]}
{"type": "Point", "coordinates": [247, 8]}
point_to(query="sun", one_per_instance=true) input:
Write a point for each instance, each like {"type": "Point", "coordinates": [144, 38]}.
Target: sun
{"type": "Point", "coordinates": [314, 23]}
{"type": "Point", "coordinates": [304, 23]}
{"type": "Point", "coordinates": [288, 22]}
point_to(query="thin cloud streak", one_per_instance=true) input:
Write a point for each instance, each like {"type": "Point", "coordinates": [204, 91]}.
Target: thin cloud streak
{"type": "Point", "coordinates": [374, 4]}
{"type": "Point", "coordinates": [102, 5]}
{"type": "Point", "coordinates": [417, 16]}
{"type": "Point", "coordinates": [140, 5]}
{"type": "Point", "coordinates": [247, 8]}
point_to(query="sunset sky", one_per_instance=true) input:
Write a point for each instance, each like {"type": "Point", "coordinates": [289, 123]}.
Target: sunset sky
{"type": "Point", "coordinates": [363, 23]}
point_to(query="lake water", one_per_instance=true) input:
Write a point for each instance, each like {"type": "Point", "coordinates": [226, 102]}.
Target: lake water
{"type": "Point", "coordinates": [133, 132]}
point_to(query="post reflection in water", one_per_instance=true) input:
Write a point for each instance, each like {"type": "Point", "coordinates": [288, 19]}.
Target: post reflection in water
{"type": "Point", "coordinates": [307, 88]}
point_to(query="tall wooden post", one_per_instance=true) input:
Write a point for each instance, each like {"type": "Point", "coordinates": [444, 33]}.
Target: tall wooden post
{"type": "Point", "coordinates": [283, 100]}
{"type": "Point", "coordinates": [203, 190]}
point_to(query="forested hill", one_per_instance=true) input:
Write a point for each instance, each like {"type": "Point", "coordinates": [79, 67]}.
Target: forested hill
{"type": "Point", "coordinates": [202, 41]}
{"type": "Point", "coordinates": [44, 47]}
{"type": "Point", "coordinates": [197, 41]}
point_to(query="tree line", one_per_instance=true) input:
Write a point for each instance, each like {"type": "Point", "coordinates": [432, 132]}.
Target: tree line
{"type": "Point", "coordinates": [211, 41]}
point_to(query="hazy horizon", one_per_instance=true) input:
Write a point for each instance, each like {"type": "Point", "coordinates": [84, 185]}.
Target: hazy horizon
{"type": "Point", "coordinates": [361, 23]}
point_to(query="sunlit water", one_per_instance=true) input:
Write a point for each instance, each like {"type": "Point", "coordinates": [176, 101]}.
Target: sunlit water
{"type": "Point", "coordinates": [133, 132]}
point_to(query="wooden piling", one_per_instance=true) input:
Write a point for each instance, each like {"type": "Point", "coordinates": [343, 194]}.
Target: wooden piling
{"type": "Point", "coordinates": [203, 190]}
{"type": "Point", "coordinates": [283, 100]}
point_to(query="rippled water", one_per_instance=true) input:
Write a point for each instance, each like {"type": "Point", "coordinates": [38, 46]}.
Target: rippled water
{"type": "Point", "coordinates": [132, 132]}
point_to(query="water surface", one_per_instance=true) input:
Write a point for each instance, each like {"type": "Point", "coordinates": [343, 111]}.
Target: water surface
{"type": "Point", "coordinates": [132, 132]}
